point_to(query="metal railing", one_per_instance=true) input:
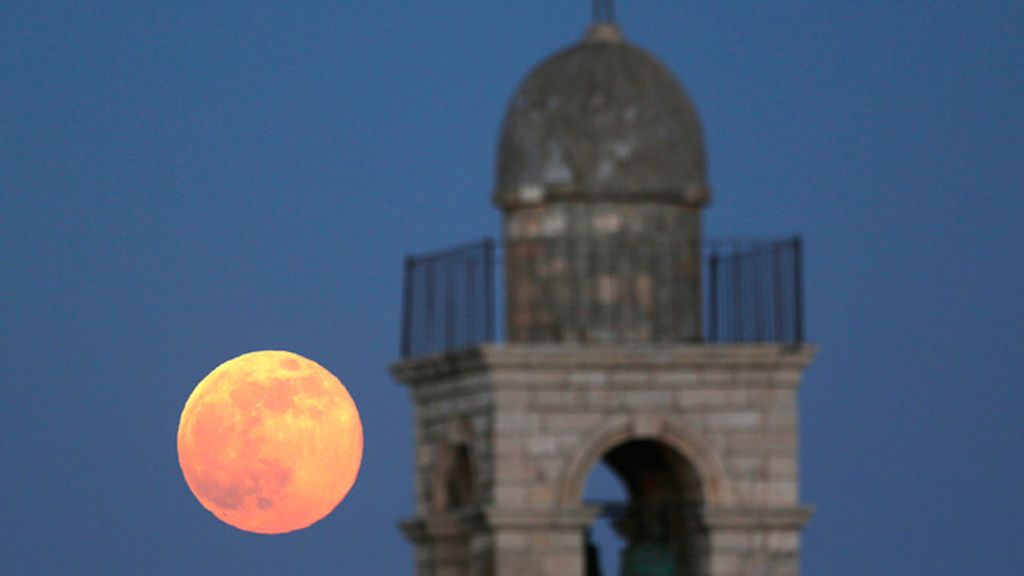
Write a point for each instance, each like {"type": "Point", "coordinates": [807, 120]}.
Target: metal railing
{"type": "Point", "coordinates": [754, 291]}
{"type": "Point", "coordinates": [751, 291]}
{"type": "Point", "coordinates": [449, 299]}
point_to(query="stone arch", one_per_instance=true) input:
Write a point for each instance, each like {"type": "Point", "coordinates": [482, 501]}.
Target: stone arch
{"type": "Point", "coordinates": [454, 478]}
{"type": "Point", "coordinates": [620, 429]}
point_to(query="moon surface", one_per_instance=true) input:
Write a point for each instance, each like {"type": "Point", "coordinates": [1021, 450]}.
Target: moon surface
{"type": "Point", "coordinates": [270, 442]}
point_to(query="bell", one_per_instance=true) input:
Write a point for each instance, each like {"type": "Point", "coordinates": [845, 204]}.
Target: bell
{"type": "Point", "coordinates": [649, 559]}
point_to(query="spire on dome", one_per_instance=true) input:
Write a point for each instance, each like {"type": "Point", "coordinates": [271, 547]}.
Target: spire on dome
{"type": "Point", "coordinates": [604, 28]}
{"type": "Point", "coordinates": [604, 11]}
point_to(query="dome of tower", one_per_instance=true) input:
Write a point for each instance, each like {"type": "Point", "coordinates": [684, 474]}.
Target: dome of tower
{"type": "Point", "coordinates": [601, 120]}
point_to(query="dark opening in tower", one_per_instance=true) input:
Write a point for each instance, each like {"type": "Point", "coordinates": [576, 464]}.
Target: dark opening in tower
{"type": "Point", "coordinates": [660, 527]}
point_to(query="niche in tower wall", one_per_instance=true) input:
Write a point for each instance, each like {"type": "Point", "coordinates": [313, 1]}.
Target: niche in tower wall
{"type": "Point", "coordinates": [453, 496]}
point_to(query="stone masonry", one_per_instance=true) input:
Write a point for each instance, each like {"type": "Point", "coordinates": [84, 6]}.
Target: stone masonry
{"type": "Point", "coordinates": [506, 436]}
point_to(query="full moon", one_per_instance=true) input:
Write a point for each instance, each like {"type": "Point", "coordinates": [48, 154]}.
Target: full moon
{"type": "Point", "coordinates": [270, 442]}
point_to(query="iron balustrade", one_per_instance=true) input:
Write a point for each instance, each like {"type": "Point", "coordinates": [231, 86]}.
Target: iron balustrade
{"type": "Point", "coordinates": [449, 299]}
{"type": "Point", "coordinates": [751, 291]}
{"type": "Point", "coordinates": [754, 291]}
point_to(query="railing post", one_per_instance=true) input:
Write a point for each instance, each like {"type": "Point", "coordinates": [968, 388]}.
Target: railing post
{"type": "Point", "coordinates": [443, 296]}
{"type": "Point", "coordinates": [406, 344]}
{"type": "Point", "coordinates": [489, 304]}
{"type": "Point", "coordinates": [798, 288]}
{"type": "Point", "coordinates": [778, 304]}
{"type": "Point", "coordinates": [428, 295]}
{"type": "Point", "coordinates": [469, 321]}
{"type": "Point", "coordinates": [448, 282]}
{"type": "Point", "coordinates": [757, 282]}
{"type": "Point", "coordinates": [713, 295]}
{"type": "Point", "coordinates": [736, 314]}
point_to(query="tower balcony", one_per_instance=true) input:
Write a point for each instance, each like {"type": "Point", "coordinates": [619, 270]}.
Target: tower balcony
{"type": "Point", "coordinates": [553, 291]}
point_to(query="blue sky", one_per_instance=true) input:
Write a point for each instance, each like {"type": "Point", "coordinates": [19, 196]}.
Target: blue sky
{"type": "Point", "coordinates": [184, 182]}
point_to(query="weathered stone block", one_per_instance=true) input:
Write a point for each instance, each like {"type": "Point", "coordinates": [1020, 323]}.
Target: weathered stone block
{"type": "Point", "coordinates": [779, 541]}
{"type": "Point", "coordinates": [739, 420]}
{"type": "Point", "coordinates": [674, 379]}
{"type": "Point", "coordinates": [543, 495]}
{"type": "Point", "coordinates": [781, 420]}
{"type": "Point", "coordinates": [761, 443]}
{"type": "Point", "coordinates": [630, 378]}
{"type": "Point", "coordinates": [515, 564]}
{"type": "Point", "coordinates": [516, 422]}
{"type": "Point", "coordinates": [715, 379]}
{"type": "Point", "coordinates": [781, 491]}
{"type": "Point", "coordinates": [510, 399]}
{"type": "Point", "coordinates": [705, 398]}
{"type": "Point", "coordinates": [741, 540]}
{"type": "Point", "coordinates": [648, 399]}
{"type": "Point", "coordinates": [557, 398]}
{"type": "Point", "coordinates": [725, 563]}
{"type": "Point", "coordinates": [516, 472]}
{"type": "Point", "coordinates": [601, 398]}
{"type": "Point", "coordinates": [747, 468]}
{"type": "Point", "coordinates": [509, 446]}
{"type": "Point", "coordinates": [509, 496]}
{"type": "Point", "coordinates": [562, 564]}
{"type": "Point", "coordinates": [542, 445]}
{"type": "Point", "coordinates": [509, 540]}
{"type": "Point", "coordinates": [782, 467]}
{"type": "Point", "coordinates": [588, 378]}
{"type": "Point", "coordinates": [576, 421]}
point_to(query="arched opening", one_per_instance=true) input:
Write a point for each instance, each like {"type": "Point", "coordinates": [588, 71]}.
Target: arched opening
{"type": "Point", "coordinates": [453, 494]}
{"type": "Point", "coordinates": [604, 543]}
{"type": "Point", "coordinates": [654, 513]}
{"type": "Point", "coordinates": [459, 486]}
{"type": "Point", "coordinates": [453, 482]}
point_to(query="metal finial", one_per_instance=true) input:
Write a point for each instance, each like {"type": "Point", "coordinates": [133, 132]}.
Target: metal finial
{"type": "Point", "coordinates": [604, 11]}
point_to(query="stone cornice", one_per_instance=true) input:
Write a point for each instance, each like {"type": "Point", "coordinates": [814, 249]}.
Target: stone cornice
{"type": "Point", "coordinates": [740, 517]}
{"type": "Point", "coordinates": [459, 525]}
{"type": "Point", "coordinates": [436, 527]}
{"type": "Point", "coordinates": [526, 518]}
{"type": "Point", "coordinates": [694, 195]}
{"type": "Point", "coordinates": [603, 357]}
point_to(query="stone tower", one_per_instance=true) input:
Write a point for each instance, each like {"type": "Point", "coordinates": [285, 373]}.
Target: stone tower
{"type": "Point", "coordinates": [601, 180]}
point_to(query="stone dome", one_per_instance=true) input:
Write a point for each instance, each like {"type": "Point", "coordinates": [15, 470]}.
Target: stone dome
{"type": "Point", "coordinates": [602, 120]}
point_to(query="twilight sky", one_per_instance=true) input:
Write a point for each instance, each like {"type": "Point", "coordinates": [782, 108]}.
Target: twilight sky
{"type": "Point", "coordinates": [183, 182]}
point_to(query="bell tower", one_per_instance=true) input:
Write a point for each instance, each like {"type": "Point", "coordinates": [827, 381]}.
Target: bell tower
{"type": "Point", "coordinates": [604, 328]}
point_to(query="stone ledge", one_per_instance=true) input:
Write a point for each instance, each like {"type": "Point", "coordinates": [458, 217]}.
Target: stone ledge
{"type": "Point", "coordinates": [436, 527]}
{"type": "Point", "coordinates": [460, 524]}
{"type": "Point", "coordinates": [456, 525]}
{"type": "Point", "coordinates": [531, 518]}
{"type": "Point", "coordinates": [424, 369]}
{"type": "Point", "coordinates": [746, 518]}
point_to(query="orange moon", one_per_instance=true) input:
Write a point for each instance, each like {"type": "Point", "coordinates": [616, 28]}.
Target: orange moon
{"type": "Point", "coordinates": [270, 442]}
